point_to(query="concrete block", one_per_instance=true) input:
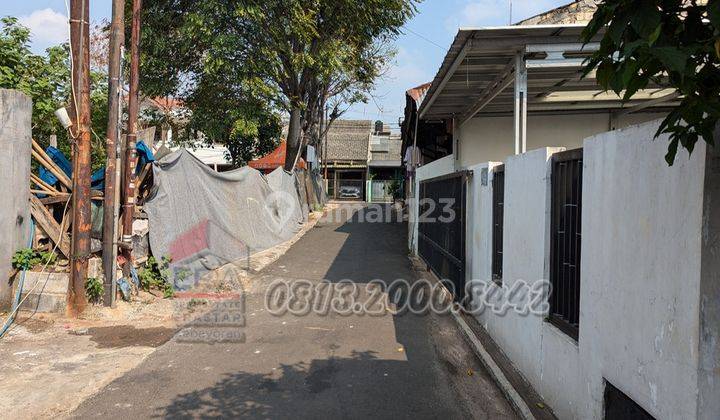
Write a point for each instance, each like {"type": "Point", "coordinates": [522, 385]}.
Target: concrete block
{"type": "Point", "coordinates": [45, 292]}
{"type": "Point", "coordinates": [95, 268]}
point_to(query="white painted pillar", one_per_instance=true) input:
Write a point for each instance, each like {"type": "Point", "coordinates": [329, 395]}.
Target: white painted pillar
{"type": "Point", "coordinates": [520, 114]}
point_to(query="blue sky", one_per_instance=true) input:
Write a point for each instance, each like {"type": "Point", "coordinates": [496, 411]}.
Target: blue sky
{"type": "Point", "coordinates": [420, 50]}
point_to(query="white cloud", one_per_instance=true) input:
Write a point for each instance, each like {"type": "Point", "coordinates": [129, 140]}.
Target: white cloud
{"type": "Point", "coordinates": [478, 14]}
{"type": "Point", "coordinates": [48, 27]}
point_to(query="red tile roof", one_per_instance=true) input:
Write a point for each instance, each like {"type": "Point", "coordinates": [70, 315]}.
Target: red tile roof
{"type": "Point", "coordinates": [275, 159]}
{"type": "Point", "coordinates": [417, 92]}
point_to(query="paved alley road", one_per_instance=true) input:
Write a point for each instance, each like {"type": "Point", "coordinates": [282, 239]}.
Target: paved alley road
{"type": "Point", "coordinates": [316, 366]}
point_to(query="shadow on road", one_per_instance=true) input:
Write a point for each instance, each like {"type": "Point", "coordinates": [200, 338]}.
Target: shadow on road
{"type": "Point", "coordinates": [427, 373]}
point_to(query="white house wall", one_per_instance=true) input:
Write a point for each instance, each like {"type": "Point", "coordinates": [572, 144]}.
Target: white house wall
{"type": "Point", "coordinates": [485, 139]}
{"type": "Point", "coordinates": [640, 314]}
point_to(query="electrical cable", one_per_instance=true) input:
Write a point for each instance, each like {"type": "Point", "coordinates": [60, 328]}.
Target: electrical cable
{"type": "Point", "coordinates": [21, 283]}
{"type": "Point", "coordinates": [72, 68]}
{"type": "Point", "coordinates": [424, 38]}
{"type": "Point", "coordinates": [11, 316]}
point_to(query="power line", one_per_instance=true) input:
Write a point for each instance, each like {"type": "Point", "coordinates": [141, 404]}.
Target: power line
{"type": "Point", "coordinates": [424, 38]}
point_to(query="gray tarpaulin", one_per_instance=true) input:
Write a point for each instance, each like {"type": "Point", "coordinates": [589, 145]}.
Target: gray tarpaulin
{"type": "Point", "coordinates": [204, 219]}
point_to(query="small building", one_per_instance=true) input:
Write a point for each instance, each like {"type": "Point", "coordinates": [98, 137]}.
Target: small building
{"type": "Point", "coordinates": [215, 156]}
{"type": "Point", "coordinates": [385, 169]}
{"type": "Point", "coordinates": [346, 159]}
{"type": "Point", "coordinates": [548, 180]}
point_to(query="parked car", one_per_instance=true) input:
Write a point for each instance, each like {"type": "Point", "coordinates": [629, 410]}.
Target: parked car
{"type": "Point", "coordinates": [349, 192]}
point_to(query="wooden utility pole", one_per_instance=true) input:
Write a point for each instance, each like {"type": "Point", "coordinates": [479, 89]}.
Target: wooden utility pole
{"type": "Point", "coordinates": [117, 35]}
{"type": "Point", "coordinates": [80, 132]}
{"type": "Point", "coordinates": [133, 105]}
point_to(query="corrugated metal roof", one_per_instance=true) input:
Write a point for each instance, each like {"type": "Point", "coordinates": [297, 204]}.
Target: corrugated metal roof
{"type": "Point", "coordinates": [479, 57]}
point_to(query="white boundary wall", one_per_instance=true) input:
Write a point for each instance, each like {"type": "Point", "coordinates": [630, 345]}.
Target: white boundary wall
{"type": "Point", "coordinates": [650, 302]}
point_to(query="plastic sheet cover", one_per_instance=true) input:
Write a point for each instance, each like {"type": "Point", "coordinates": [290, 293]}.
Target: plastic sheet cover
{"type": "Point", "coordinates": [203, 219]}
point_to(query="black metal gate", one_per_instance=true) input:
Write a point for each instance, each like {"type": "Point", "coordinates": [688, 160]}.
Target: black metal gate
{"type": "Point", "coordinates": [441, 228]}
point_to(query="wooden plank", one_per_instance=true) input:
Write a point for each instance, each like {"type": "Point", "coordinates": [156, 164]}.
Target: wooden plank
{"type": "Point", "coordinates": [53, 169]}
{"type": "Point", "coordinates": [48, 224]}
{"type": "Point", "coordinates": [56, 199]}
{"type": "Point", "coordinates": [50, 165]}
{"type": "Point", "coordinates": [63, 197]}
{"type": "Point", "coordinates": [46, 192]}
{"type": "Point", "coordinates": [37, 180]}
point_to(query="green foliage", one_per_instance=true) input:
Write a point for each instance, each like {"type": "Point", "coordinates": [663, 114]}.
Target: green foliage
{"type": "Point", "coordinates": [672, 43]}
{"type": "Point", "coordinates": [394, 188]}
{"type": "Point", "coordinates": [94, 289]}
{"type": "Point", "coordinates": [46, 257]}
{"type": "Point", "coordinates": [252, 138]}
{"type": "Point", "coordinates": [46, 80]}
{"type": "Point", "coordinates": [235, 62]}
{"type": "Point", "coordinates": [24, 259]}
{"type": "Point", "coordinates": [28, 258]}
{"type": "Point", "coordinates": [156, 275]}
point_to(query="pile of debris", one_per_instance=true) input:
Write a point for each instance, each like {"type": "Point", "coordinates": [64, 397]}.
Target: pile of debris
{"type": "Point", "coordinates": [46, 284]}
{"type": "Point", "coordinates": [196, 219]}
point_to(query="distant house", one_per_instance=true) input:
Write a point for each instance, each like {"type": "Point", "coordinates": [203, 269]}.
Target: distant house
{"type": "Point", "coordinates": [346, 159]}
{"type": "Point", "coordinates": [385, 172]}
{"type": "Point", "coordinates": [579, 11]}
{"type": "Point", "coordinates": [274, 160]}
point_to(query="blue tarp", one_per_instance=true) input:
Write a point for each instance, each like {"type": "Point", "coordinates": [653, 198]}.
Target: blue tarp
{"type": "Point", "coordinates": [97, 179]}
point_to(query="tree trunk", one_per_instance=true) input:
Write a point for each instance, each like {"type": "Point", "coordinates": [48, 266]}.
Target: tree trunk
{"type": "Point", "coordinates": [293, 139]}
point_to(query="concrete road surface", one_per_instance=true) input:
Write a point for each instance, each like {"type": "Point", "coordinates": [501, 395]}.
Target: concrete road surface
{"type": "Point", "coordinates": [316, 365]}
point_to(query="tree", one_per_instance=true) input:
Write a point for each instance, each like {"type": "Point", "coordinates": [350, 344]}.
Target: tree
{"type": "Point", "coordinates": [244, 143]}
{"type": "Point", "coordinates": [674, 43]}
{"type": "Point", "coordinates": [46, 79]}
{"type": "Point", "coordinates": [292, 55]}
{"type": "Point", "coordinates": [177, 60]}
{"type": "Point", "coordinates": [310, 51]}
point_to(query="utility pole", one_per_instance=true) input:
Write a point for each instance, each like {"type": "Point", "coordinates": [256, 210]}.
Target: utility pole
{"type": "Point", "coordinates": [117, 36]}
{"type": "Point", "coordinates": [325, 164]}
{"type": "Point", "coordinates": [81, 224]}
{"type": "Point", "coordinates": [130, 152]}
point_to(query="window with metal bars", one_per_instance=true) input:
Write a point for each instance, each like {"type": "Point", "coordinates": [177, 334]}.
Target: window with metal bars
{"type": "Point", "coordinates": [498, 199]}
{"type": "Point", "coordinates": [566, 212]}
